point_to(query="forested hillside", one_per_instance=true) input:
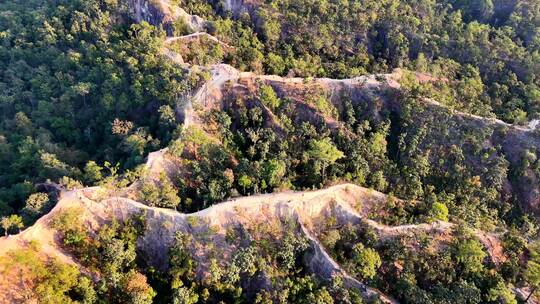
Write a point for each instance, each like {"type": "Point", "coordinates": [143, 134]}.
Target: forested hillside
{"type": "Point", "coordinates": [488, 49]}
{"type": "Point", "coordinates": [80, 85]}
{"type": "Point", "coordinates": [424, 113]}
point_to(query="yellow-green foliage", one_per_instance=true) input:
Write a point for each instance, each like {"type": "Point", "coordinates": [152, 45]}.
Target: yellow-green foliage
{"type": "Point", "coordinates": [73, 233]}
{"type": "Point", "coordinates": [268, 97]}
{"type": "Point", "coordinates": [200, 51]}
{"type": "Point", "coordinates": [193, 221]}
{"type": "Point", "coordinates": [366, 261]}
{"type": "Point", "coordinates": [323, 105]}
{"type": "Point", "coordinates": [162, 194]}
{"type": "Point", "coordinates": [68, 219]}
{"type": "Point", "coordinates": [37, 278]}
{"type": "Point", "coordinates": [196, 136]}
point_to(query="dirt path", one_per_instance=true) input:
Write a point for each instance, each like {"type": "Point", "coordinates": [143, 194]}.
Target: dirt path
{"type": "Point", "coordinates": [222, 72]}
{"type": "Point", "coordinates": [303, 205]}
{"type": "Point", "coordinates": [529, 127]}
{"type": "Point", "coordinates": [210, 93]}
{"type": "Point", "coordinates": [42, 233]}
{"type": "Point", "coordinates": [306, 207]}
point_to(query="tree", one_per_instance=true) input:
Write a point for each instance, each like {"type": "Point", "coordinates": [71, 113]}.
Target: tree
{"type": "Point", "coordinates": [325, 152]}
{"type": "Point", "coordinates": [60, 280]}
{"type": "Point", "coordinates": [532, 272]}
{"type": "Point", "coordinates": [137, 289]}
{"type": "Point", "coordinates": [421, 63]}
{"type": "Point", "coordinates": [502, 294]}
{"type": "Point", "coordinates": [378, 181]}
{"type": "Point", "coordinates": [82, 89]}
{"type": "Point", "coordinates": [136, 143]}
{"type": "Point", "coordinates": [273, 172]}
{"type": "Point", "coordinates": [275, 64]}
{"type": "Point", "coordinates": [470, 254]}
{"type": "Point", "coordinates": [86, 289]}
{"type": "Point", "coordinates": [167, 117]}
{"type": "Point", "coordinates": [366, 261]}
{"type": "Point", "coordinates": [92, 172]}
{"type": "Point", "coordinates": [304, 290]}
{"type": "Point", "coordinates": [116, 255]}
{"type": "Point", "coordinates": [181, 264]}
{"type": "Point", "coordinates": [162, 194]}
{"type": "Point", "coordinates": [268, 97]}
{"type": "Point", "coordinates": [183, 295]}
{"type": "Point", "coordinates": [480, 10]}
{"type": "Point", "coordinates": [270, 26]}
{"type": "Point", "coordinates": [215, 273]}
{"type": "Point", "coordinates": [291, 246]}
{"type": "Point", "coordinates": [438, 212]}
{"type": "Point", "coordinates": [149, 193]}
{"type": "Point", "coordinates": [36, 204]}
{"type": "Point", "coordinates": [12, 222]}
{"type": "Point", "coordinates": [343, 292]}
{"type": "Point", "coordinates": [47, 282]}
{"type": "Point", "coordinates": [168, 196]}
{"type": "Point", "coordinates": [245, 259]}
{"type": "Point", "coordinates": [51, 166]}
{"type": "Point", "coordinates": [244, 181]}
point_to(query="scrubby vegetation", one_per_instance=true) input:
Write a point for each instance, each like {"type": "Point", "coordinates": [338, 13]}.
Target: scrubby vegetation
{"type": "Point", "coordinates": [447, 168]}
{"type": "Point", "coordinates": [262, 270]}
{"type": "Point", "coordinates": [265, 266]}
{"type": "Point", "coordinates": [422, 267]}
{"type": "Point", "coordinates": [48, 281]}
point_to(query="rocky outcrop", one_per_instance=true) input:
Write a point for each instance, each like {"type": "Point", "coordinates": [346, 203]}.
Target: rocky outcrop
{"type": "Point", "coordinates": [236, 7]}
{"type": "Point", "coordinates": [161, 13]}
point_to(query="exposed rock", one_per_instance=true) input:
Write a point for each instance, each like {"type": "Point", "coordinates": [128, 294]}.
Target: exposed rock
{"type": "Point", "coordinates": [161, 13]}
{"type": "Point", "coordinates": [236, 7]}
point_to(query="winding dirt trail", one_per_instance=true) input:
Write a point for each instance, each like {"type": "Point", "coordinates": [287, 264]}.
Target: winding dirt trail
{"type": "Point", "coordinates": [162, 224]}
{"type": "Point", "coordinates": [210, 92]}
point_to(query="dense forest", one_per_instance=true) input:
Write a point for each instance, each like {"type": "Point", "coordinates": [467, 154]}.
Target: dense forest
{"type": "Point", "coordinates": [80, 85]}
{"type": "Point", "coordinates": [86, 93]}
{"type": "Point", "coordinates": [491, 48]}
